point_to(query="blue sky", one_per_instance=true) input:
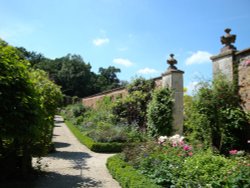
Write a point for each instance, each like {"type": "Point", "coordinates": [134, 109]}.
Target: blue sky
{"type": "Point", "coordinates": [136, 36]}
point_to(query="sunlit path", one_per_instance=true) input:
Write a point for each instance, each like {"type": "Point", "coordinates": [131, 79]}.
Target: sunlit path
{"type": "Point", "coordinates": [74, 165]}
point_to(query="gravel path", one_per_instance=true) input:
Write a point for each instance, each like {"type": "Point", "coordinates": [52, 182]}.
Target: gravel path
{"type": "Point", "coordinates": [73, 164]}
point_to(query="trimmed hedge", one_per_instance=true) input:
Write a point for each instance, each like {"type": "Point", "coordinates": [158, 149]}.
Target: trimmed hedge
{"type": "Point", "coordinates": [92, 145]}
{"type": "Point", "coordinates": [126, 175]}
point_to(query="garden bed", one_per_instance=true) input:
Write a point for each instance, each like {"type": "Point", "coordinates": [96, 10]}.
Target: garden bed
{"type": "Point", "coordinates": [112, 147]}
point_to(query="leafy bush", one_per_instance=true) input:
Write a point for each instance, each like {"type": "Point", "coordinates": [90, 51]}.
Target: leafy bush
{"type": "Point", "coordinates": [205, 170]}
{"type": "Point", "coordinates": [29, 101]}
{"type": "Point", "coordinates": [108, 133]}
{"type": "Point", "coordinates": [126, 175]}
{"type": "Point", "coordinates": [216, 118]}
{"type": "Point", "coordinates": [159, 113]}
{"type": "Point", "coordinates": [132, 109]}
{"type": "Point", "coordinates": [239, 175]}
{"type": "Point", "coordinates": [92, 145]}
{"type": "Point", "coordinates": [74, 111]}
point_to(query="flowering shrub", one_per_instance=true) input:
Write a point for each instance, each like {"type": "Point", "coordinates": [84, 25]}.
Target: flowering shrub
{"type": "Point", "coordinates": [172, 162]}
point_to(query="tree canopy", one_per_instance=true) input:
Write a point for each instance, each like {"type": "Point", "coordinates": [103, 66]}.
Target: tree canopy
{"type": "Point", "coordinates": [73, 74]}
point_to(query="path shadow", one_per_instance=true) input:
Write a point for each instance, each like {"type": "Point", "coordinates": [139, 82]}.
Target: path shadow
{"type": "Point", "coordinates": [61, 144]}
{"type": "Point", "coordinates": [56, 180]}
{"type": "Point", "coordinates": [77, 158]}
{"type": "Point", "coordinates": [58, 121]}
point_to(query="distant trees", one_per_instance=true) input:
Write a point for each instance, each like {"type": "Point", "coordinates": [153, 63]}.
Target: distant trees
{"type": "Point", "coordinates": [28, 104]}
{"type": "Point", "coordinates": [73, 74]}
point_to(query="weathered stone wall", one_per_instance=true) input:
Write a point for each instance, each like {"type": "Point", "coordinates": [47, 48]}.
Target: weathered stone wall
{"type": "Point", "coordinates": [115, 93]}
{"type": "Point", "coordinates": [243, 60]}
{"type": "Point", "coordinates": [223, 63]}
{"type": "Point", "coordinates": [91, 101]}
{"type": "Point", "coordinates": [235, 65]}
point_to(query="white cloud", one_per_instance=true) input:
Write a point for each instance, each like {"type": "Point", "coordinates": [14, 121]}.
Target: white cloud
{"type": "Point", "coordinates": [198, 57]}
{"type": "Point", "coordinates": [100, 41]}
{"type": "Point", "coordinates": [124, 62]}
{"type": "Point", "coordinates": [191, 87]}
{"type": "Point", "coordinates": [147, 71]}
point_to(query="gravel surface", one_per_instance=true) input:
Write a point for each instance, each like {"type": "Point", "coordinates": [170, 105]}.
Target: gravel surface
{"type": "Point", "coordinates": [73, 164]}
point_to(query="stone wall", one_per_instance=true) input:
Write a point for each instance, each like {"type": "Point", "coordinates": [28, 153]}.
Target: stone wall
{"type": "Point", "coordinates": [91, 101]}
{"type": "Point", "coordinates": [235, 65]}
{"type": "Point", "coordinates": [243, 60]}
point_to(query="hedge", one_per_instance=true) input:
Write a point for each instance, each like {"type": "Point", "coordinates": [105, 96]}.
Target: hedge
{"type": "Point", "coordinates": [92, 145]}
{"type": "Point", "coordinates": [126, 175]}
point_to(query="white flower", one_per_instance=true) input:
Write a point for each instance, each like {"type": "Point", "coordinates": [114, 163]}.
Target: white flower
{"type": "Point", "coordinates": [162, 139]}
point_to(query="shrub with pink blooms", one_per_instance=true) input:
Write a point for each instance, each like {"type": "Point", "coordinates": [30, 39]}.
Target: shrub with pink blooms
{"type": "Point", "coordinates": [173, 162]}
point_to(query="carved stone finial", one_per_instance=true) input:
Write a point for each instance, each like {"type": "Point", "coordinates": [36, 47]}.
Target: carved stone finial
{"type": "Point", "coordinates": [228, 39]}
{"type": "Point", "coordinates": [172, 61]}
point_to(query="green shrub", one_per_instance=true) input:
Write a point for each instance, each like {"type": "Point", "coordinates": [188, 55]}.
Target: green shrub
{"type": "Point", "coordinates": [74, 111]}
{"type": "Point", "coordinates": [205, 170]}
{"type": "Point", "coordinates": [126, 175]}
{"type": "Point", "coordinates": [132, 109]}
{"type": "Point", "coordinates": [159, 113]}
{"type": "Point", "coordinates": [239, 175]}
{"type": "Point", "coordinates": [92, 145]}
{"type": "Point", "coordinates": [216, 118]}
{"type": "Point", "coordinates": [108, 133]}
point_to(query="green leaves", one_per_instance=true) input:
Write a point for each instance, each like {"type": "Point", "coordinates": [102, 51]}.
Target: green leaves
{"type": "Point", "coordinates": [159, 113]}
{"type": "Point", "coordinates": [29, 101]}
{"type": "Point", "coordinates": [216, 118]}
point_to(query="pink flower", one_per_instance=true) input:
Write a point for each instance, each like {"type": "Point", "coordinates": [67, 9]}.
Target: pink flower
{"type": "Point", "coordinates": [181, 143]}
{"type": "Point", "coordinates": [190, 153]}
{"type": "Point", "coordinates": [233, 152]}
{"type": "Point", "coordinates": [174, 144]}
{"type": "Point", "coordinates": [186, 148]}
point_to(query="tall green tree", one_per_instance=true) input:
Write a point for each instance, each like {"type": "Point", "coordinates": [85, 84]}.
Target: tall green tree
{"type": "Point", "coordinates": [107, 78]}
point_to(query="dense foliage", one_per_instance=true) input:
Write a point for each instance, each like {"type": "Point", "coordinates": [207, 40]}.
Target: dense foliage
{"type": "Point", "coordinates": [126, 175]}
{"type": "Point", "coordinates": [29, 101]}
{"type": "Point", "coordinates": [172, 162]}
{"type": "Point", "coordinates": [73, 74]}
{"type": "Point", "coordinates": [159, 113]}
{"type": "Point", "coordinates": [216, 118]}
{"type": "Point", "coordinates": [99, 124]}
{"type": "Point", "coordinates": [93, 145]}
{"type": "Point", "coordinates": [133, 108]}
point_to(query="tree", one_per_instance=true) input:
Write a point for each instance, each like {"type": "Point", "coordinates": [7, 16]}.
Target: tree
{"type": "Point", "coordinates": [107, 78]}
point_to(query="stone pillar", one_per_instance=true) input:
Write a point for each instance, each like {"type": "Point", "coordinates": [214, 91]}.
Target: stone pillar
{"type": "Point", "coordinates": [224, 62]}
{"type": "Point", "coordinates": [173, 78]}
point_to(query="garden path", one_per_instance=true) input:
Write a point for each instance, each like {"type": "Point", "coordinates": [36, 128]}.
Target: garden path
{"type": "Point", "coordinates": [73, 164]}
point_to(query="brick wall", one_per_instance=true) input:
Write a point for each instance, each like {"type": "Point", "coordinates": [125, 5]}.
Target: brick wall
{"type": "Point", "coordinates": [115, 93]}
